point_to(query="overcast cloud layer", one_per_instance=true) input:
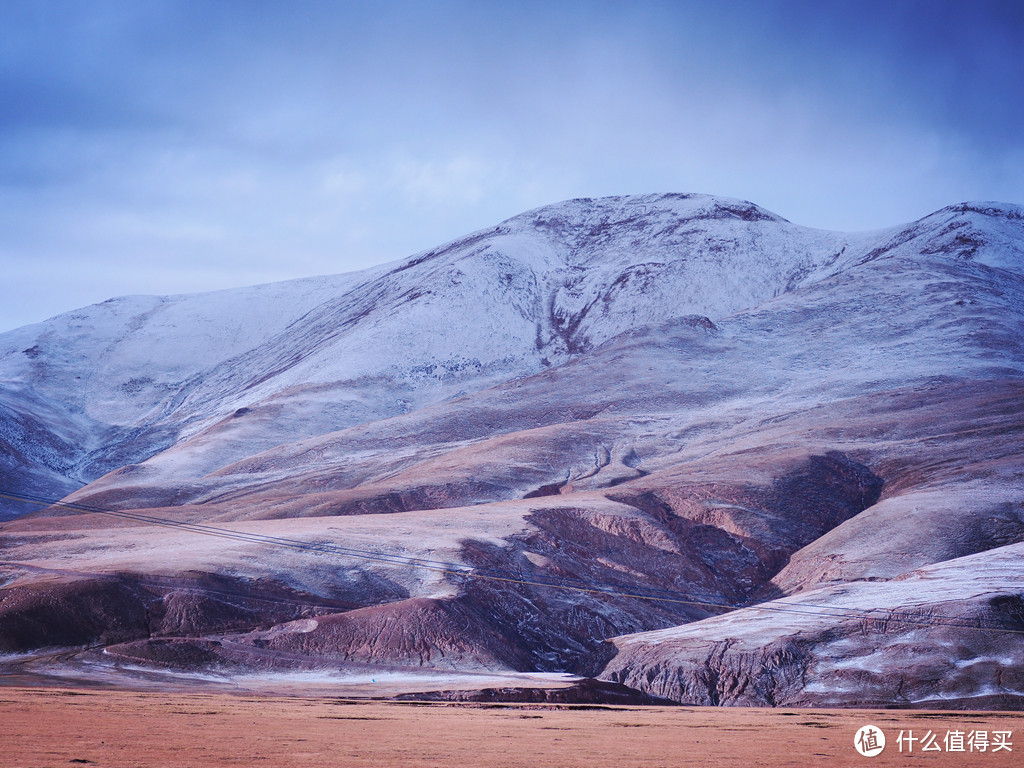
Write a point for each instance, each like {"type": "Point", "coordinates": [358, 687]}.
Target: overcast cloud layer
{"type": "Point", "coordinates": [164, 147]}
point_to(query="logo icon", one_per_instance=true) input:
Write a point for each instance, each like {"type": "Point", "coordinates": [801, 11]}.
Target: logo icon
{"type": "Point", "coordinates": [869, 741]}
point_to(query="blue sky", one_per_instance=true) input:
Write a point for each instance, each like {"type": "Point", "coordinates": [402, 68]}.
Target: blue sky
{"type": "Point", "coordinates": [165, 147]}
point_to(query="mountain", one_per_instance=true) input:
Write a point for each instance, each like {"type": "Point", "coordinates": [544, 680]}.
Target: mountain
{"type": "Point", "coordinates": [672, 441]}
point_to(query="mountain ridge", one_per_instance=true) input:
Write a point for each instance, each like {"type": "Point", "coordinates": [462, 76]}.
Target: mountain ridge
{"type": "Point", "coordinates": [671, 393]}
{"type": "Point", "coordinates": [559, 334]}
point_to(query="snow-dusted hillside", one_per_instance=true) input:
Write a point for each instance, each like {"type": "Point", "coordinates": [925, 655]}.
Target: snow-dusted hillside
{"type": "Point", "coordinates": [136, 375]}
{"type": "Point", "coordinates": [677, 393]}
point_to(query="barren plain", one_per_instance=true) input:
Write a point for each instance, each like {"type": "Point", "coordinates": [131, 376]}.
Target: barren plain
{"type": "Point", "coordinates": [46, 727]}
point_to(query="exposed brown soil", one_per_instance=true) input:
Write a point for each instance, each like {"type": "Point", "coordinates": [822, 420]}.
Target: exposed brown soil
{"type": "Point", "coordinates": [60, 727]}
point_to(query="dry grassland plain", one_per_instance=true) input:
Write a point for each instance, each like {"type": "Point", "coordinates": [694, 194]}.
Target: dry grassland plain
{"type": "Point", "coordinates": [43, 727]}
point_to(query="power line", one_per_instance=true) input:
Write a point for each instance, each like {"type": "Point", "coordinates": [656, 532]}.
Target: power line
{"type": "Point", "coordinates": [695, 599]}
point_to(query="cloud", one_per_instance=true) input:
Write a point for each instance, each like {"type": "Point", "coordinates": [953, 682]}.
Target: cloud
{"type": "Point", "coordinates": [172, 146]}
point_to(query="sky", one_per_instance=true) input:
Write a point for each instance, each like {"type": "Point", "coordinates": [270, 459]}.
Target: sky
{"type": "Point", "coordinates": [167, 147]}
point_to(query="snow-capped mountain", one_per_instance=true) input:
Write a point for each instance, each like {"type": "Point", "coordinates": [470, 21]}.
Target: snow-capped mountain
{"type": "Point", "coordinates": [678, 395]}
{"type": "Point", "coordinates": [136, 375]}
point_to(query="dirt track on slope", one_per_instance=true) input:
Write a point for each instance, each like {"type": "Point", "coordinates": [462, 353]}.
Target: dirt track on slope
{"type": "Point", "coordinates": [61, 727]}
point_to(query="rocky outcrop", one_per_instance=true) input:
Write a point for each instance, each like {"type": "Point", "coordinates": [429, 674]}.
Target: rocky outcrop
{"type": "Point", "coordinates": [864, 644]}
{"type": "Point", "coordinates": [99, 611]}
{"type": "Point", "coordinates": [586, 691]}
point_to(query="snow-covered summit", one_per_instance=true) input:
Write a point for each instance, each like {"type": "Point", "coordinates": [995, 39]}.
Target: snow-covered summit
{"type": "Point", "coordinates": [133, 376]}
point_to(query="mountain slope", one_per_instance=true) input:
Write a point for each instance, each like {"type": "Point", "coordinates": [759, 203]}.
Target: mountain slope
{"type": "Point", "coordinates": [597, 419]}
{"type": "Point", "coordinates": [144, 373]}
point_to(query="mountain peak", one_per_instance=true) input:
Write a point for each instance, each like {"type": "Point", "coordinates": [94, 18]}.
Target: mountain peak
{"type": "Point", "coordinates": [533, 292]}
{"type": "Point", "coordinates": [986, 233]}
{"type": "Point", "coordinates": [600, 212]}
{"type": "Point", "coordinates": [532, 446]}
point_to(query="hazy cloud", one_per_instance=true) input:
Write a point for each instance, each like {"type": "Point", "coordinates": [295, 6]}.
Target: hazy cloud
{"type": "Point", "coordinates": [176, 146]}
